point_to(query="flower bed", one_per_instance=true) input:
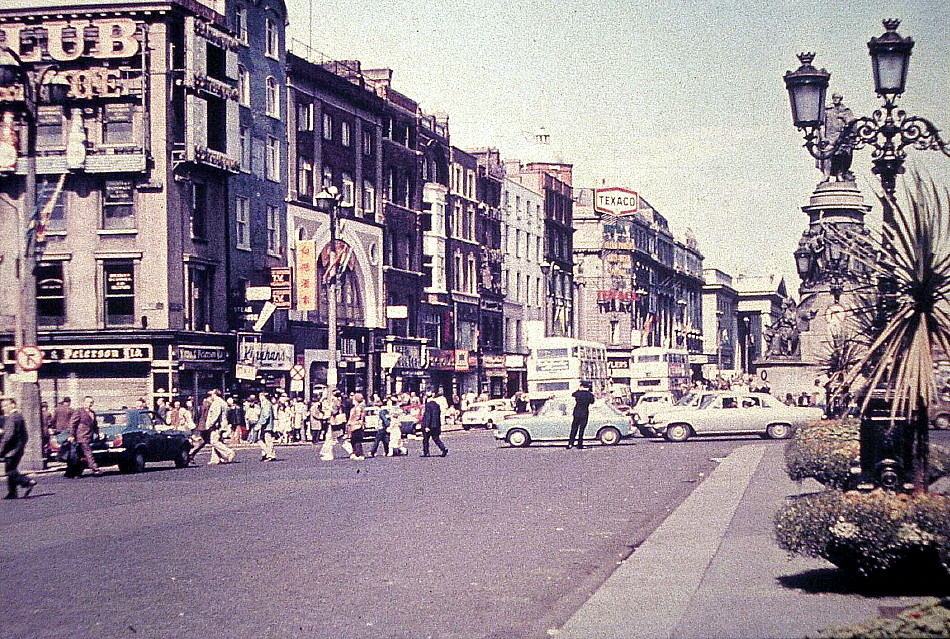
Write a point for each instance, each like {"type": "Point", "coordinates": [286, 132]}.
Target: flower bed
{"type": "Point", "coordinates": [826, 451]}
{"type": "Point", "coordinates": [923, 621]}
{"type": "Point", "coordinates": [879, 533]}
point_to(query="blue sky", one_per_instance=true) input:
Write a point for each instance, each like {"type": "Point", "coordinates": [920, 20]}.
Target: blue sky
{"type": "Point", "coordinates": [682, 101]}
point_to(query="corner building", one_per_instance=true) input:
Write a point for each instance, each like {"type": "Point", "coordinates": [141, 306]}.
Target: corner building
{"type": "Point", "coordinates": [131, 279]}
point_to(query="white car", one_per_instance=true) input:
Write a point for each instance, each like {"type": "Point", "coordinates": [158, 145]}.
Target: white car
{"type": "Point", "coordinates": [487, 414]}
{"type": "Point", "coordinates": [729, 413]}
{"type": "Point", "coordinates": [649, 403]}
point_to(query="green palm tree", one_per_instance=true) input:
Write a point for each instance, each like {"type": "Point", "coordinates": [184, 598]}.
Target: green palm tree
{"type": "Point", "coordinates": [915, 329]}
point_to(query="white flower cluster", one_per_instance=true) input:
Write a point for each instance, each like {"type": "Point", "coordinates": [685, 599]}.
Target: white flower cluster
{"type": "Point", "coordinates": [844, 529]}
{"type": "Point", "coordinates": [912, 534]}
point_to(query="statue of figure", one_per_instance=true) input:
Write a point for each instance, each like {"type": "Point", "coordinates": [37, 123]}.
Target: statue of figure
{"type": "Point", "coordinates": [782, 337]}
{"type": "Point", "coordinates": [837, 118]}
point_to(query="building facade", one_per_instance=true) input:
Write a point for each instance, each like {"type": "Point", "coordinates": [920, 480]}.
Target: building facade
{"type": "Point", "coordinates": [132, 281]}
{"type": "Point", "coordinates": [720, 324]}
{"type": "Point", "coordinates": [336, 120]}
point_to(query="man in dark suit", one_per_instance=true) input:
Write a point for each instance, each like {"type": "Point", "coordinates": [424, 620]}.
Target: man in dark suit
{"type": "Point", "coordinates": [583, 398]}
{"type": "Point", "coordinates": [82, 429]}
{"type": "Point", "coordinates": [432, 426]}
{"type": "Point", "coordinates": [12, 445]}
{"type": "Point", "coordinates": [63, 416]}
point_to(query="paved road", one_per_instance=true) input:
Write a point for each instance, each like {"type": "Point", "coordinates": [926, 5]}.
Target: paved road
{"type": "Point", "coordinates": [490, 542]}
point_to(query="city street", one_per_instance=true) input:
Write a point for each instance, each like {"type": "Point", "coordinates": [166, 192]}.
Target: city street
{"type": "Point", "coordinates": [489, 542]}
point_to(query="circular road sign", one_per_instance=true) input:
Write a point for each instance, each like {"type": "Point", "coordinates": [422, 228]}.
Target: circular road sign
{"type": "Point", "coordinates": [29, 358]}
{"type": "Point", "coordinates": [297, 373]}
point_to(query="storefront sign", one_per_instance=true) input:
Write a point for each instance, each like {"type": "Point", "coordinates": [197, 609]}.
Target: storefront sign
{"type": "Point", "coordinates": [245, 371]}
{"type": "Point", "coordinates": [88, 354]}
{"type": "Point", "coordinates": [410, 355]}
{"type": "Point", "coordinates": [514, 361]}
{"type": "Point", "coordinates": [616, 366]}
{"type": "Point", "coordinates": [617, 301]}
{"type": "Point", "coordinates": [462, 360]}
{"type": "Point", "coordinates": [493, 361]}
{"type": "Point", "coordinates": [306, 275]}
{"type": "Point", "coordinates": [65, 41]}
{"type": "Point", "coordinates": [267, 357]}
{"type": "Point", "coordinates": [397, 312]}
{"type": "Point", "coordinates": [280, 297]}
{"type": "Point", "coordinates": [202, 354]}
{"type": "Point", "coordinates": [616, 201]}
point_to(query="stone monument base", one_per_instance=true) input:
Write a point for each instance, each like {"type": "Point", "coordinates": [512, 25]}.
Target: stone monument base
{"type": "Point", "coordinates": [791, 376]}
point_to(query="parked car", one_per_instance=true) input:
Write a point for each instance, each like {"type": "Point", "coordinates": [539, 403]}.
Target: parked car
{"type": "Point", "coordinates": [487, 414]}
{"type": "Point", "coordinates": [651, 402]}
{"type": "Point", "coordinates": [132, 438]}
{"type": "Point", "coordinates": [729, 413]}
{"type": "Point", "coordinates": [552, 422]}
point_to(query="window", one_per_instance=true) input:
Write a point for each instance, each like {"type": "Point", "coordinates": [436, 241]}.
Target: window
{"type": "Point", "coordinates": [46, 189]}
{"type": "Point", "coordinates": [118, 211]}
{"type": "Point", "coordinates": [199, 299]}
{"type": "Point", "coordinates": [367, 143]}
{"type": "Point", "coordinates": [49, 126]}
{"type": "Point", "coordinates": [369, 198]}
{"type": "Point", "coordinates": [304, 116]}
{"type": "Point", "coordinates": [119, 294]}
{"type": "Point", "coordinates": [347, 195]}
{"type": "Point", "coordinates": [245, 148]}
{"type": "Point", "coordinates": [327, 126]}
{"type": "Point", "coordinates": [614, 337]}
{"type": "Point", "coordinates": [117, 124]}
{"type": "Point", "coordinates": [50, 294]}
{"type": "Point", "coordinates": [273, 98]}
{"type": "Point", "coordinates": [244, 85]}
{"type": "Point", "coordinates": [346, 133]}
{"type": "Point", "coordinates": [304, 178]}
{"type": "Point", "coordinates": [199, 210]}
{"type": "Point", "coordinates": [327, 177]}
{"type": "Point", "coordinates": [271, 44]}
{"type": "Point", "coordinates": [242, 223]}
{"type": "Point", "coordinates": [273, 229]}
{"type": "Point", "coordinates": [241, 29]}
{"type": "Point", "coordinates": [273, 159]}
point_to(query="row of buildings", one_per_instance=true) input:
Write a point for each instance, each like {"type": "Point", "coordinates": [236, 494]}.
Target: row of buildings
{"type": "Point", "coordinates": [180, 247]}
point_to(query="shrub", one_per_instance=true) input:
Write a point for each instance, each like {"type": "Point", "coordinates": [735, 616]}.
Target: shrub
{"type": "Point", "coordinates": [826, 451]}
{"type": "Point", "coordinates": [872, 534]}
{"type": "Point", "coordinates": [922, 621]}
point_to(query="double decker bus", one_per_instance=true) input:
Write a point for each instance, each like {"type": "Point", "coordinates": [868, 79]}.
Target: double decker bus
{"type": "Point", "coordinates": [558, 365]}
{"type": "Point", "coordinates": [659, 369]}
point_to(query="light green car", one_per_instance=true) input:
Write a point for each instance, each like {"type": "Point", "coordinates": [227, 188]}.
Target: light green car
{"type": "Point", "coordinates": [552, 423]}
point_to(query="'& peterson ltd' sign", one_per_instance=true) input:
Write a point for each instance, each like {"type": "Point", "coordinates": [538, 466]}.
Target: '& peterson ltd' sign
{"type": "Point", "coordinates": [616, 201]}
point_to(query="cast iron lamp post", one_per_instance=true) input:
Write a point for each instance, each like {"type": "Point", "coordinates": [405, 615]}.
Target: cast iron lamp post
{"type": "Point", "coordinates": [328, 201]}
{"type": "Point", "coordinates": [35, 91]}
{"type": "Point", "coordinates": [888, 132]}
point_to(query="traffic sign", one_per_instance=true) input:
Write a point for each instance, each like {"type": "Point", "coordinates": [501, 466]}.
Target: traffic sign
{"type": "Point", "coordinates": [297, 373]}
{"type": "Point", "coordinates": [29, 358]}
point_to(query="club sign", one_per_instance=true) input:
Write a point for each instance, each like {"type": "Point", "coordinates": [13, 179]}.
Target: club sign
{"type": "Point", "coordinates": [616, 201]}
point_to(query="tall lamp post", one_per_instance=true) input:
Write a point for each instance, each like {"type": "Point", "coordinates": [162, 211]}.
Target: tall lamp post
{"type": "Point", "coordinates": [328, 201]}
{"type": "Point", "coordinates": [888, 132]}
{"type": "Point", "coordinates": [35, 90]}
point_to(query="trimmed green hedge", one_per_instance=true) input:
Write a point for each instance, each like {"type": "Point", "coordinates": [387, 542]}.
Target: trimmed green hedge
{"type": "Point", "coordinates": [873, 534]}
{"type": "Point", "coordinates": [923, 621]}
{"type": "Point", "coordinates": [826, 450]}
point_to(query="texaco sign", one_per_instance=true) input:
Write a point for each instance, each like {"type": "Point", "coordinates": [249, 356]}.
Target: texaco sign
{"type": "Point", "coordinates": [616, 201]}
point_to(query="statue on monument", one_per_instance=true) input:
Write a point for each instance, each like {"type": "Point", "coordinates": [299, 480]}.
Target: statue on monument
{"type": "Point", "coordinates": [782, 337]}
{"type": "Point", "coordinates": [837, 118]}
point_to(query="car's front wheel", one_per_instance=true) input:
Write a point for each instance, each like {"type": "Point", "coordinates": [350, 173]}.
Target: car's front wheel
{"type": "Point", "coordinates": [778, 431]}
{"type": "Point", "coordinates": [942, 421]}
{"type": "Point", "coordinates": [518, 437]}
{"type": "Point", "coordinates": [182, 459]}
{"type": "Point", "coordinates": [608, 436]}
{"type": "Point", "coordinates": [677, 432]}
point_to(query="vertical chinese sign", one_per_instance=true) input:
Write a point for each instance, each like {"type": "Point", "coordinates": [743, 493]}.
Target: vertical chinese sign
{"type": "Point", "coordinates": [306, 275]}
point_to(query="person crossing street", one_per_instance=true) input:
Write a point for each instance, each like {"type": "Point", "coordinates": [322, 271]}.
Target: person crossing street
{"type": "Point", "coordinates": [12, 445]}
{"type": "Point", "coordinates": [83, 428]}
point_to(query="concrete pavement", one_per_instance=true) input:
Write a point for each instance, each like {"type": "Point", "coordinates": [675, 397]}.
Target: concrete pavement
{"type": "Point", "coordinates": [712, 570]}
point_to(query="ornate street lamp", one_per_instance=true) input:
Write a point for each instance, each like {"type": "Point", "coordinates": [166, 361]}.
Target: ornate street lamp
{"type": "Point", "coordinates": [804, 263]}
{"type": "Point", "coordinates": [890, 57]}
{"type": "Point", "coordinates": [328, 201]}
{"type": "Point", "coordinates": [35, 91]}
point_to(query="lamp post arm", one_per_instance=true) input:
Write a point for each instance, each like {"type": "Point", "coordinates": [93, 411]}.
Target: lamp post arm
{"type": "Point", "coordinates": [856, 134]}
{"type": "Point", "coordinates": [920, 133]}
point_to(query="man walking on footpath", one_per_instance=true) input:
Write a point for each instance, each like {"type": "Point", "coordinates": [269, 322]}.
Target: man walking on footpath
{"type": "Point", "coordinates": [12, 445]}
{"type": "Point", "coordinates": [583, 398]}
{"type": "Point", "coordinates": [82, 427]}
{"type": "Point", "coordinates": [432, 426]}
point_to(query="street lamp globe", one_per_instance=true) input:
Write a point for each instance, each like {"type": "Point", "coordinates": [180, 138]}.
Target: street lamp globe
{"type": "Point", "coordinates": [807, 87]}
{"type": "Point", "coordinates": [327, 199]}
{"type": "Point", "coordinates": [804, 261]}
{"type": "Point", "coordinates": [890, 58]}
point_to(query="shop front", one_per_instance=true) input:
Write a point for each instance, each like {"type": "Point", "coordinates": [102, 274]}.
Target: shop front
{"type": "Point", "coordinates": [516, 372]}
{"type": "Point", "coordinates": [408, 372]}
{"type": "Point", "coordinates": [263, 366]}
{"type": "Point", "coordinates": [493, 368]}
{"type": "Point", "coordinates": [198, 369]}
